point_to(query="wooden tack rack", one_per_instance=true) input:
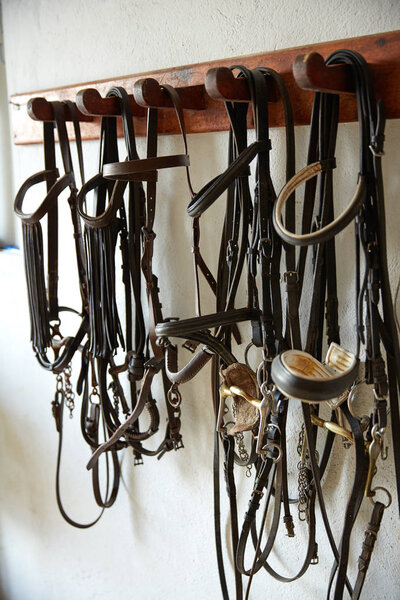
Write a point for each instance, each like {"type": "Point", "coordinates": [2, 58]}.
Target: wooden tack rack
{"type": "Point", "coordinates": [301, 68]}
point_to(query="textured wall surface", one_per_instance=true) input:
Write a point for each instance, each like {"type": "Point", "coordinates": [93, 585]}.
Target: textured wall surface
{"type": "Point", "coordinates": [7, 231]}
{"type": "Point", "coordinates": [158, 540]}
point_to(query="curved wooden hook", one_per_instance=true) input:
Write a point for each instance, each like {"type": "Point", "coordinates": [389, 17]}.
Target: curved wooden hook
{"type": "Point", "coordinates": [41, 109]}
{"type": "Point", "coordinates": [311, 73]}
{"type": "Point", "coordinates": [221, 84]}
{"type": "Point", "coordinates": [150, 93]}
{"type": "Point", "coordinates": [90, 102]}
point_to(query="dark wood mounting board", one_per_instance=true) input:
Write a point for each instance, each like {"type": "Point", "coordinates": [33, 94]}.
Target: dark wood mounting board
{"type": "Point", "coordinates": [382, 52]}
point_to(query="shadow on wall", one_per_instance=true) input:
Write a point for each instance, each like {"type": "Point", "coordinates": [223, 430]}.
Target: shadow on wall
{"type": "Point", "coordinates": [7, 232]}
{"type": "Point", "coordinates": [27, 492]}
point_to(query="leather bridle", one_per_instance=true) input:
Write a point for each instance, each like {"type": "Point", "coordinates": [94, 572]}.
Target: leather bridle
{"type": "Point", "coordinates": [258, 241]}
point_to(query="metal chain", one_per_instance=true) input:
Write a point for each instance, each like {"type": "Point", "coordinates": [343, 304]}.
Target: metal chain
{"type": "Point", "coordinates": [305, 475]}
{"type": "Point", "coordinates": [239, 439]}
{"type": "Point", "coordinates": [115, 394]}
{"type": "Point", "coordinates": [69, 393]}
{"type": "Point", "coordinates": [59, 383]}
{"type": "Point", "coordinates": [301, 441]}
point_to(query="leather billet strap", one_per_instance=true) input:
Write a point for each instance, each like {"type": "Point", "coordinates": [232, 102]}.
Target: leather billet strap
{"type": "Point", "coordinates": [339, 568]}
{"type": "Point", "coordinates": [237, 220]}
{"type": "Point", "coordinates": [58, 110]}
{"type": "Point", "coordinates": [176, 101]}
{"type": "Point", "coordinates": [173, 438]}
{"type": "Point", "coordinates": [291, 278]}
{"type": "Point", "coordinates": [371, 534]}
{"type": "Point", "coordinates": [216, 480]}
{"type": "Point", "coordinates": [52, 221]}
{"type": "Point", "coordinates": [268, 247]}
{"type": "Point", "coordinates": [331, 229]}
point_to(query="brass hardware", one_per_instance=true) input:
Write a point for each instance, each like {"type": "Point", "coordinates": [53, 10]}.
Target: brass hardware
{"type": "Point", "coordinates": [334, 427]}
{"type": "Point", "coordinates": [375, 450]}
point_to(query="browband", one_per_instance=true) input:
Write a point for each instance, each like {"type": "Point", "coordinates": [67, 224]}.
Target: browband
{"type": "Point", "coordinates": [136, 170]}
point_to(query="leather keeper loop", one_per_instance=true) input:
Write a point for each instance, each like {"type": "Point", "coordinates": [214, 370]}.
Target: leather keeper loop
{"type": "Point", "coordinates": [135, 367]}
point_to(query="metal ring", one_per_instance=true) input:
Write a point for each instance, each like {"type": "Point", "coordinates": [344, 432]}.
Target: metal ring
{"type": "Point", "coordinates": [59, 383]}
{"type": "Point", "coordinates": [271, 425]}
{"type": "Point", "coordinates": [382, 489]}
{"type": "Point", "coordinates": [174, 396]}
{"type": "Point", "coordinates": [274, 445]}
{"type": "Point", "coordinates": [246, 353]}
{"type": "Point", "coordinates": [94, 394]}
{"type": "Point", "coordinates": [278, 406]}
{"type": "Point", "coordinates": [261, 366]}
{"type": "Point", "coordinates": [351, 395]}
{"type": "Point", "coordinates": [266, 393]}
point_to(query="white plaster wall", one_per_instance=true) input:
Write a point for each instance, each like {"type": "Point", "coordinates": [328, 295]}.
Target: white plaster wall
{"type": "Point", "coordinates": [7, 230]}
{"type": "Point", "coordinates": [157, 541]}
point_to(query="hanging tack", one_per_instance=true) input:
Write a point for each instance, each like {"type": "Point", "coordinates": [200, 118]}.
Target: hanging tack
{"type": "Point", "coordinates": [311, 73]}
{"type": "Point", "coordinates": [221, 84]}
{"type": "Point", "coordinates": [40, 109]}
{"type": "Point", "coordinates": [90, 102]}
{"type": "Point", "coordinates": [150, 93]}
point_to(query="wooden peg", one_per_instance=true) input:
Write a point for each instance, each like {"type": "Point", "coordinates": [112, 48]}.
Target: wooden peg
{"type": "Point", "coordinates": [40, 109]}
{"type": "Point", "coordinates": [311, 73]}
{"type": "Point", "coordinates": [90, 102]}
{"type": "Point", "coordinates": [150, 93]}
{"type": "Point", "coordinates": [221, 84]}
